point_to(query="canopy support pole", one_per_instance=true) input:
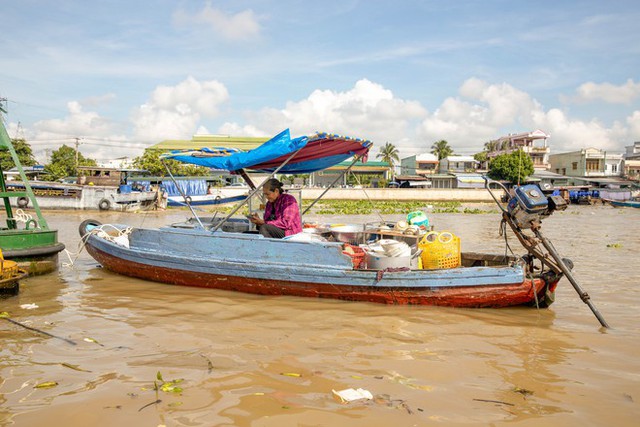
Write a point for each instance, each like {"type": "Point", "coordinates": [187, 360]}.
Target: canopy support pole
{"type": "Point", "coordinates": [247, 178]}
{"type": "Point", "coordinates": [332, 184]}
{"type": "Point", "coordinates": [255, 189]}
{"type": "Point", "coordinates": [184, 196]}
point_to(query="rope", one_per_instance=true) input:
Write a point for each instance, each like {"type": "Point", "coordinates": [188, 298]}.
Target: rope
{"type": "Point", "coordinates": [503, 232]}
{"type": "Point", "coordinates": [22, 216]}
{"type": "Point", "coordinates": [533, 288]}
{"type": "Point", "coordinates": [101, 233]}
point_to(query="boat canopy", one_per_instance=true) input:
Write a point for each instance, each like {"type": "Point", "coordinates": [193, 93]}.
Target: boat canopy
{"type": "Point", "coordinates": [314, 153]}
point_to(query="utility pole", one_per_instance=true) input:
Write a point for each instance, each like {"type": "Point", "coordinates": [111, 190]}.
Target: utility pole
{"type": "Point", "coordinates": [77, 145]}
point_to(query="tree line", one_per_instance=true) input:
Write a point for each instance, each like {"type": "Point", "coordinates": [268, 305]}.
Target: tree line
{"type": "Point", "coordinates": [65, 160]}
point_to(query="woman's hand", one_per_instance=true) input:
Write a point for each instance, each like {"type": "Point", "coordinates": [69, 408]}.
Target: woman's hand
{"type": "Point", "coordinates": [255, 218]}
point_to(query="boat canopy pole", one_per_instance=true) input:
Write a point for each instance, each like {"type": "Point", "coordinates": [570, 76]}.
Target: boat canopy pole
{"type": "Point", "coordinates": [247, 179]}
{"type": "Point", "coordinates": [332, 184]}
{"type": "Point", "coordinates": [184, 196]}
{"type": "Point", "coordinates": [255, 190]}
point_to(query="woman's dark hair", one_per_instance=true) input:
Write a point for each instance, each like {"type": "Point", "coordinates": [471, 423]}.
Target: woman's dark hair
{"type": "Point", "coordinates": [274, 184]}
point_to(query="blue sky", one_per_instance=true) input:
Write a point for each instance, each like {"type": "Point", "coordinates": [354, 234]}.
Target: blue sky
{"type": "Point", "coordinates": [122, 75]}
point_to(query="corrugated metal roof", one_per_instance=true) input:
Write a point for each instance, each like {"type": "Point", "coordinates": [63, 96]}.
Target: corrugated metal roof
{"type": "Point", "coordinates": [201, 141]}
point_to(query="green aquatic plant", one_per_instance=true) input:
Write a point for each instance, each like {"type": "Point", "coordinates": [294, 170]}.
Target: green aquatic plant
{"type": "Point", "coordinates": [166, 386]}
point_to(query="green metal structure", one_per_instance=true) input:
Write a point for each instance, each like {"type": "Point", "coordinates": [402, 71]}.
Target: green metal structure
{"type": "Point", "coordinates": [33, 245]}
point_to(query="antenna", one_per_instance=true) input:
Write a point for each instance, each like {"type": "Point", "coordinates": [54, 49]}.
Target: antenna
{"type": "Point", "coordinates": [20, 131]}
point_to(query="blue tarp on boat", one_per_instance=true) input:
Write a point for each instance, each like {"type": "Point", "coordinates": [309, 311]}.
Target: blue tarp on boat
{"type": "Point", "coordinates": [314, 153]}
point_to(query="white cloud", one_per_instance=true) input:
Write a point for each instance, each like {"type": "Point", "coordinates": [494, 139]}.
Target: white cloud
{"type": "Point", "coordinates": [97, 136]}
{"type": "Point", "coordinates": [482, 111]}
{"type": "Point", "coordinates": [240, 26]}
{"type": "Point", "coordinates": [174, 112]}
{"type": "Point", "coordinates": [607, 92]}
{"type": "Point", "coordinates": [368, 110]}
{"type": "Point", "coordinates": [487, 111]}
{"type": "Point", "coordinates": [633, 121]}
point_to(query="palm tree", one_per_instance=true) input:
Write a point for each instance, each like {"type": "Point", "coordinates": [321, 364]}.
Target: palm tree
{"type": "Point", "coordinates": [441, 149]}
{"type": "Point", "coordinates": [389, 154]}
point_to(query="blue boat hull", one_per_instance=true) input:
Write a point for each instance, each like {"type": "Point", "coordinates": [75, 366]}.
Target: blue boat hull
{"type": "Point", "coordinates": [253, 264]}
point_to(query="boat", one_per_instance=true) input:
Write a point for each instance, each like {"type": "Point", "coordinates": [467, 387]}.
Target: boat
{"type": "Point", "coordinates": [216, 197]}
{"type": "Point", "coordinates": [206, 254]}
{"type": "Point", "coordinates": [96, 188]}
{"type": "Point", "coordinates": [24, 238]}
{"type": "Point", "coordinates": [633, 203]}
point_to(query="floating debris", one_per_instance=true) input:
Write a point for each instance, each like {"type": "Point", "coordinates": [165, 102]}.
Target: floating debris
{"type": "Point", "coordinates": [47, 384]}
{"type": "Point", "coordinates": [290, 374]}
{"type": "Point", "coordinates": [349, 394]}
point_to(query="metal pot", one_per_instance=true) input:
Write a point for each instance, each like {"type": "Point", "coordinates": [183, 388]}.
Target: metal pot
{"type": "Point", "coordinates": [352, 234]}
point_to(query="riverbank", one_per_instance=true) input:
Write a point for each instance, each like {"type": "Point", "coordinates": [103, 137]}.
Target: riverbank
{"type": "Point", "coordinates": [426, 194]}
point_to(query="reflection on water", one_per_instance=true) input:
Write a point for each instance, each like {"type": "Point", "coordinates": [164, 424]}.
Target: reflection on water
{"type": "Point", "coordinates": [249, 360]}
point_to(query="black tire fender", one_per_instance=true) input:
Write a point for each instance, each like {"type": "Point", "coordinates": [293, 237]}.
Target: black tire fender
{"type": "Point", "coordinates": [87, 225]}
{"type": "Point", "coordinates": [188, 199]}
{"type": "Point", "coordinates": [22, 202]}
{"type": "Point", "coordinates": [104, 205]}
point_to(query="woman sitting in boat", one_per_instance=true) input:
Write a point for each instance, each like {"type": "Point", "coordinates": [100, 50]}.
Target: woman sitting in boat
{"type": "Point", "coordinates": [281, 214]}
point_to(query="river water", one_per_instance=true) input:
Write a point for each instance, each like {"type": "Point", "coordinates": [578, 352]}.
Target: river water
{"type": "Point", "coordinates": [247, 360]}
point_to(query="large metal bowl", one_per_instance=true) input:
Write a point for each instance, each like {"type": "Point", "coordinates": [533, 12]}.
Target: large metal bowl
{"type": "Point", "coordinates": [352, 234]}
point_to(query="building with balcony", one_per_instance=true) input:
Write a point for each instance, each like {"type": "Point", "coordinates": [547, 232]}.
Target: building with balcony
{"type": "Point", "coordinates": [533, 143]}
{"type": "Point", "coordinates": [419, 165]}
{"type": "Point", "coordinates": [458, 164]}
{"type": "Point", "coordinates": [631, 167]}
{"type": "Point", "coordinates": [587, 163]}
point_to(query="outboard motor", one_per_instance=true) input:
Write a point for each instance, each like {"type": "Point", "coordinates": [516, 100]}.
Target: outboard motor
{"type": "Point", "coordinates": [528, 205]}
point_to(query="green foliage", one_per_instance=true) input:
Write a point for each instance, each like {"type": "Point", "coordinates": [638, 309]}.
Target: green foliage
{"type": "Point", "coordinates": [514, 167]}
{"type": "Point", "coordinates": [63, 163]}
{"type": "Point", "coordinates": [150, 161]}
{"type": "Point", "coordinates": [23, 150]}
{"type": "Point", "coordinates": [441, 149]}
{"type": "Point", "coordinates": [481, 156]}
{"type": "Point", "coordinates": [167, 386]}
{"type": "Point", "coordinates": [388, 153]}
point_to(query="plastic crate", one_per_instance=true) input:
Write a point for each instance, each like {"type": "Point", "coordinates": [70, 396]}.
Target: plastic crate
{"type": "Point", "coordinates": [440, 250]}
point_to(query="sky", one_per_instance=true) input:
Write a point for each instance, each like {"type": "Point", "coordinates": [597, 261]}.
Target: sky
{"type": "Point", "coordinates": [118, 76]}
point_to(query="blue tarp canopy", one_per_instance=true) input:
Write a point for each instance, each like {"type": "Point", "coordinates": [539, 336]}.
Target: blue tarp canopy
{"type": "Point", "coordinates": [314, 153]}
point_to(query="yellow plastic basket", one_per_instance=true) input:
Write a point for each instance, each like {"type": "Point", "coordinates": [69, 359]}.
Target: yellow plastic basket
{"type": "Point", "coordinates": [8, 269]}
{"type": "Point", "coordinates": [440, 250]}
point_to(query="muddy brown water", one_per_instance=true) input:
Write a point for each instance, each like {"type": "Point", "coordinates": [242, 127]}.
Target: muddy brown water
{"type": "Point", "coordinates": [247, 360]}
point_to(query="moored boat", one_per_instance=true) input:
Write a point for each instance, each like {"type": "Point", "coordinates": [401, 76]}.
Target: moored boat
{"type": "Point", "coordinates": [634, 203]}
{"type": "Point", "coordinates": [206, 254]}
{"type": "Point", "coordinates": [97, 188]}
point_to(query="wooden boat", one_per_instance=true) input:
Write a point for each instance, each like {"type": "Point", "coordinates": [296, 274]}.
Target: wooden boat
{"type": "Point", "coordinates": [623, 203]}
{"type": "Point", "coordinates": [218, 198]}
{"type": "Point", "coordinates": [205, 255]}
{"type": "Point", "coordinates": [96, 188]}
